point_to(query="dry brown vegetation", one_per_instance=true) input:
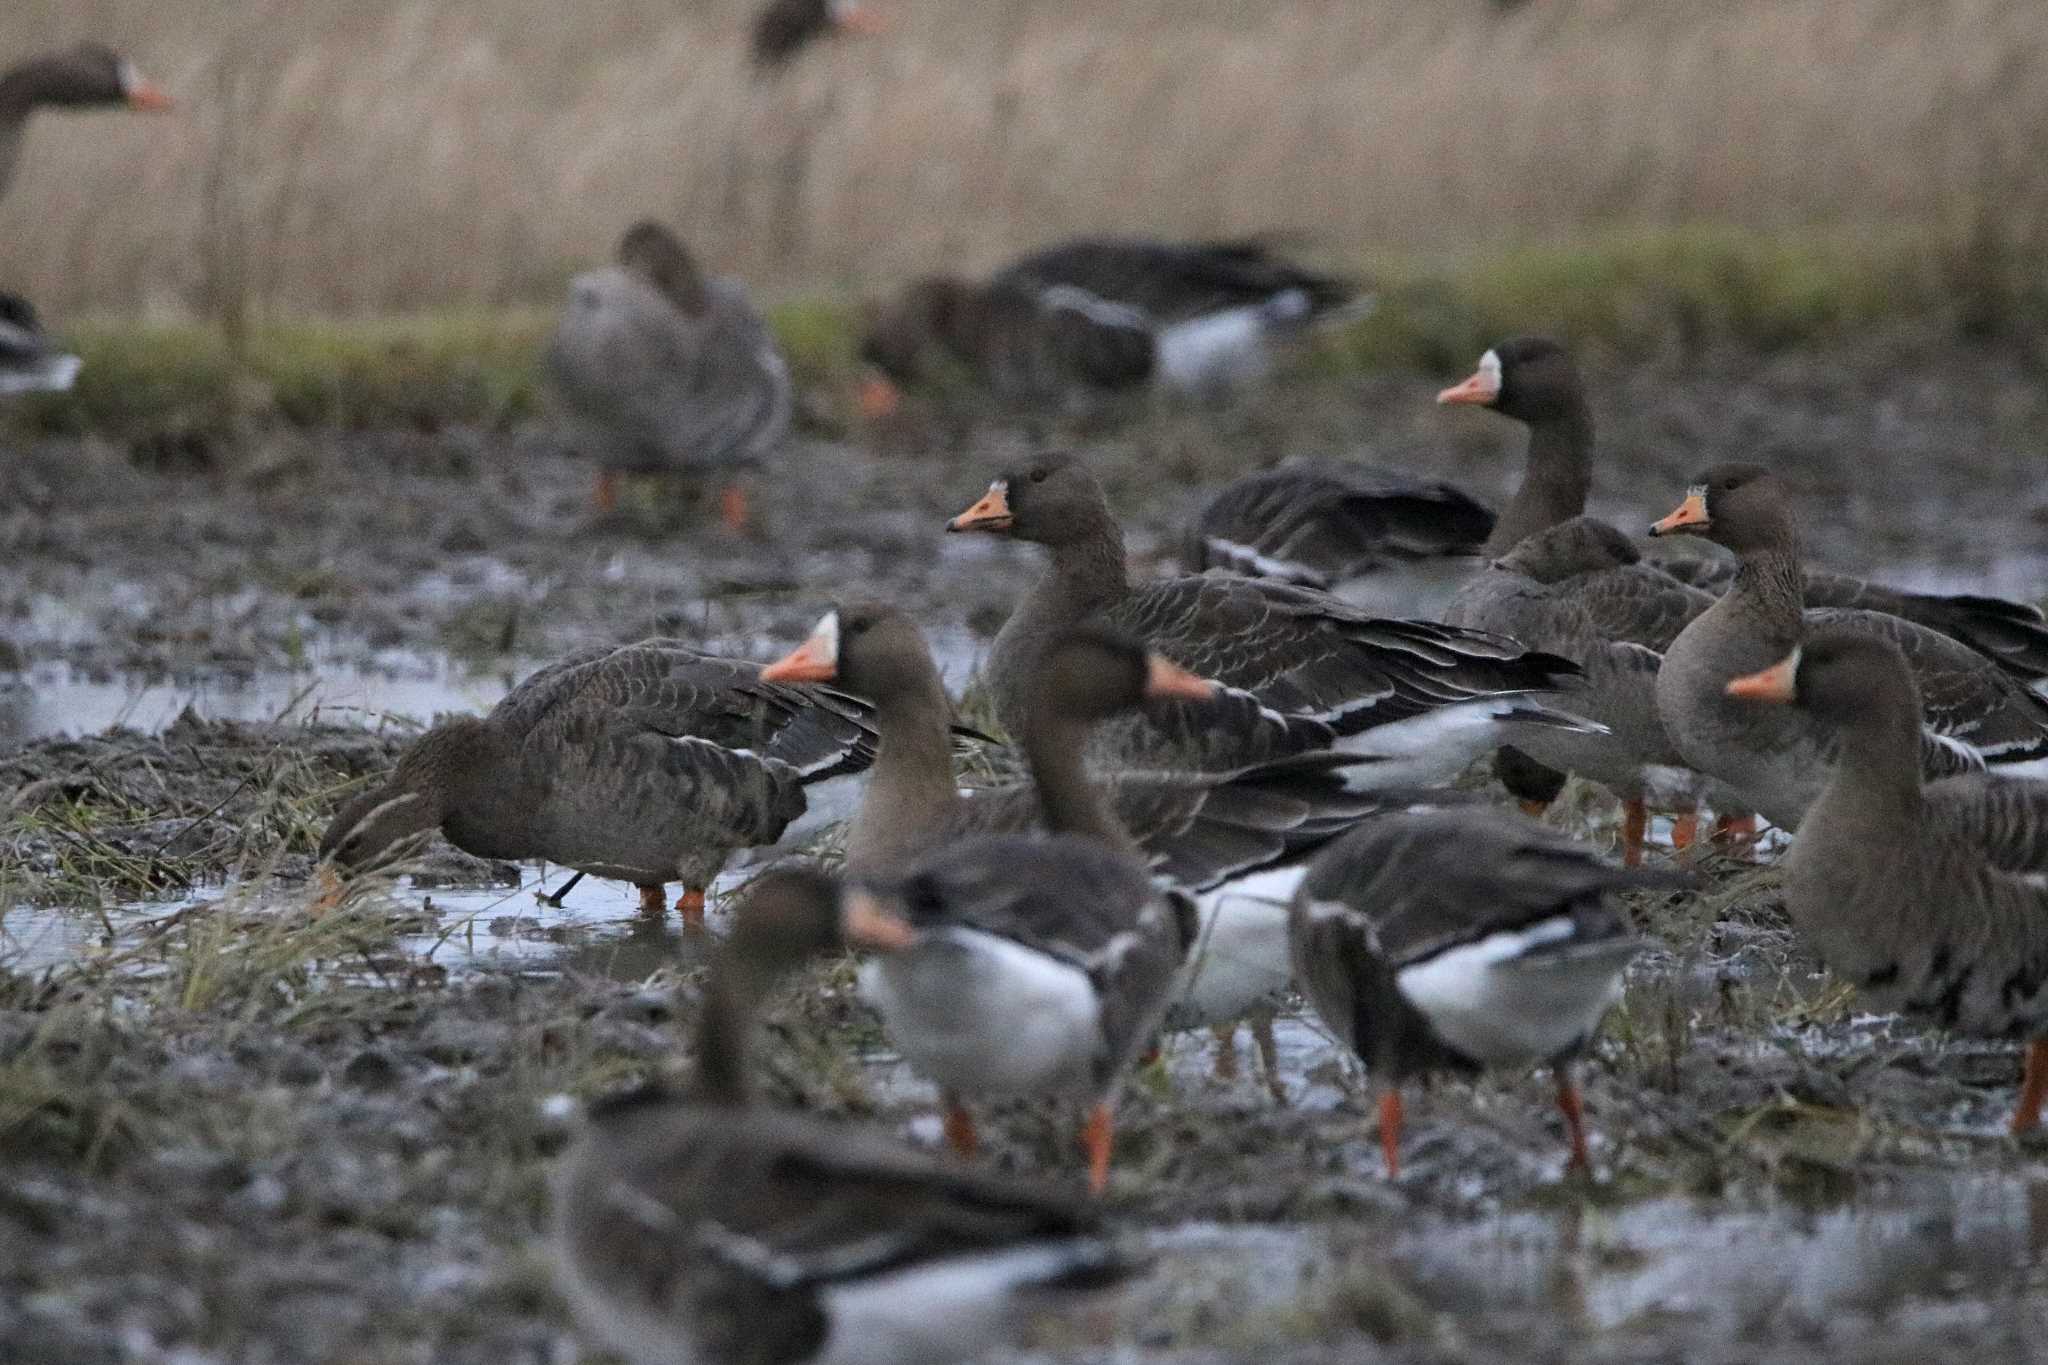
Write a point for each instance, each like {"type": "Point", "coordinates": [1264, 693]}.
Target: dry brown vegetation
{"type": "Point", "coordinates": [395, 154]}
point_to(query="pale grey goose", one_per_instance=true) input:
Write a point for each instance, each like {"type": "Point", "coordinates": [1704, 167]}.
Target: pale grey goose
{"type": "Point", "coordinates": [699, 1226]}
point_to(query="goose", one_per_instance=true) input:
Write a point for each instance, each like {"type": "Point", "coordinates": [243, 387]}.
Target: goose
{"type": "Point", "coordinates": [1429, 697]}
{"type": "Point", "coordinates": [1236, 841]}
{"type": "Point", "coordinates": [1975, 712]}
{"type": "Point", "coordinates": [649, 763]}
{"type": "Point", "coordinates": [784, 28]}
{"type": "Point", "coordinates": [665, 370]}
{"type": "Point", "coordinates": [1463, 939]}
{"type": "Point", "coordinates": [27, 362]}
{"type": "Point", "coordinates": [1043, 964]}
{"type": "Point", "coordinates": [1926, 896]}
{"type": "Point", "coordinates": [87, 76]}
{"type": "Point", "coordinates": [697, 1226]}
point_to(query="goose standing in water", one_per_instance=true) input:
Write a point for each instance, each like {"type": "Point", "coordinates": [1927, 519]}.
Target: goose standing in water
{"type": "Point", "coordinates": [665, 370]}
{"type": "Point", "coordinates": [699, 1226]}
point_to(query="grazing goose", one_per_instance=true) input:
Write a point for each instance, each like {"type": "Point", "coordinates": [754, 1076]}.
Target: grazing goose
{"type": "Point", "coordinates": [1097, 315]}
{"type": "Point", "coordinates": [1433, 697]}
{"type": "Point", "coordinates": [1043, 964]}
{"type": "Point", "coordinates": [783, 28]}
{"type": "Point", "coordinates": [1974, 712]}
{"type": "Point", "coordinates": [665, 370]}
{"type": "Point", "coordinates": [27, 364]}
{"type": "Point", "coordinates": [1462, 939]}
{"type": "Point", "coordinates": [1928, 897]}
{"type": "Point", "coordinates": [649, 763]}
{"type": "Point", "coordinates": [701, 1227]}
{"type": "Point", "coordinates": [1236, 841]}
{"type": "Point", "coordinates": [84, 77]}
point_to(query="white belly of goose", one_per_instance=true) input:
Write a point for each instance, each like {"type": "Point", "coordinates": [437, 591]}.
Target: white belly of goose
{"type": "Point", "coordinates": [942, 1311]}
{"type": "Point", "coordinates": [1515, 998]}
{"type": "Point", "coordinates": [1239, 959]}
{"type": "Point", "coordinates": [982, 1014]}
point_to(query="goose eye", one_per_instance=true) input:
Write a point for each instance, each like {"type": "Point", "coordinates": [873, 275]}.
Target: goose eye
{"type": "Point", "coordinates": [1038, 476]}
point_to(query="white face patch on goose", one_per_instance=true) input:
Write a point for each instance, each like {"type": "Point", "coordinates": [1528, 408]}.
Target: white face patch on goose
{"type": "Point", "coordinates": [826, 636]}
{"type": "Point", "coordinates": [129, 78]}
{"type": "Point", "coordinates": [1489, 372]}
{"type": "Point", "coordinates": [1697, 490]}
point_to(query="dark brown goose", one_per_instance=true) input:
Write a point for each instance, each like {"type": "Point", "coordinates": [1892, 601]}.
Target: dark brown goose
{"type": "Point", "coordinates": [1777, 761]}
{"type": "Point", "coordinates": [1458, 940]}
{"type": "Point", "coordinates": [665, 370]}
{"type": "Point", "coordinates": [1427, 697]}
{"type": "Point", "coordinates": [701, 1227]}
{"type": "Point", "coordinates": [1927, 897]}
{"type": "Point", "coordinates": [784, 28]}
{"type": "Point", "coordinates": [88, 76]}
{"type": "Point", "coordinates": [649, 763]}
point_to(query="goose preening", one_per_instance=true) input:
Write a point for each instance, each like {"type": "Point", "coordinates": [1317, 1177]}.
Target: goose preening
{"type": "Point", "coordinates": [649, 763]}
{"type": "Point", "coordinates": [666, 370]}
{"type": "Point", "coordinates": [88, 76]}
{"type": "Point", "coordinates": [784, 28]}
{"type": "Point", "coordinates": [1974, 712]}
{"type": "Point", "coordinates": [1458, 940]}
{"type": "Point", "coordinates": [1926, 896]}
{"type": "Point", "coordinates": [28, 364]}
{"type": "Point", "coordinates": [1427, 696]}
{"type": "Point", "coordinates": [698, 1226]}
{"type": "Point", "coordinates": [1098, 315]}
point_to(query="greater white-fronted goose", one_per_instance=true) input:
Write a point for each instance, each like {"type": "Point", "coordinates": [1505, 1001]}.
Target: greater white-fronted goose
{"type": "Point", "coordinates": [666, 370]}
{"type": "Point", "coordinates": [88, 76]}
{"type": "Point", "coordinates": [1434, 697]}
{"type": "Point", "coordinates": [649, 763]}
{"type": "Point", "coordinates": [1777, 761]}
{"type": "Point", "coordinates": [1043, 964]}
{"type": "Point", "coordinates": [1236, 841]}
{"type": "Point", "coordinates": [783, 28]}
{"type": "Point", "coordinates": [697, 1226]}
{"type": "Point", "coordinates": [1462, 939]}
{"type": "Point", "coordinates": [1375, 537]}
{"type": "Point", "coordinates": [28, 364]}
{"type": "Point", "coordinates": [1927, 897]}
{"type": "Point", "coordinates": [1197, 319]}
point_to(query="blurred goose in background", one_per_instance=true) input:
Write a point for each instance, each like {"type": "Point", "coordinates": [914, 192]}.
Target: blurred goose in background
{"type": "Point", "coordinates": [667, 371]}
{"type": "Point", "coordinates": [88, 76]}
{"type": "Point", "coordinates": [698, 1226]}
{"type": "Point", "coordinates": [1463, 939]}
{"type": "Point", "coordinates": [649, 763]}
{"type": "Point", "coordinates": [1927, 897]}
{"type": "Point", "coordinates": [784, 28]}
{"type": "Point", "coordinates": [1098, 315]}
{"type": "Point", "coordinates": [1426, 698]}
{"type": "Point", "coordinates": [27, 363]}
{"type": "Point", "coordinates": [1974, 713]}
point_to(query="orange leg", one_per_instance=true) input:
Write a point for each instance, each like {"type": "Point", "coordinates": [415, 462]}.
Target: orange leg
{"type": "Point", "coordinates": [1534, 809]}
{"type": "Point", "coordinates": [1226, 1051]}
{"type": "Point", "coordinates": [732, 507]}
{"type": "Point", "coordinates": [651, 901]}
{"type": "Point", "coordinates": [1390, 1130]}
{"type": "Point", "coordinates": [1097, 1136]}
{"type": "Point", "coordinates": [959, 1128]}
{"type": "Point", "coordinates": [690, 905]}
{"type": "Point", "coordinates": [1685, 830]}
{"type": "Point", "coordinates": [1269, 1055]}
{"type": "Point", "coordinates": [1635, 823]}
{"type": "Point", "coordinates": [1736, 834]}
{"type": "Point", "coordinates": [1574, 1111]}
{"type": "Point", "coordinates": [607, 496]}
{"type": "Point", "coordinates": [2026, 1114]}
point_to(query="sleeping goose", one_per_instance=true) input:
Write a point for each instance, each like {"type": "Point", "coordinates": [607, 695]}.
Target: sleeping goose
{"type": "Point", "coordinates": [783, 28]}
{"type": "Point", "coordinates": [1777, 761]}
{"type": "Point", "coordinates": [27, 363]}
{"type": "Point", "coordinates": [666, 370]}
{"type": "Point", "coordinates": [1927, 896]}
{"type": "Point", "coordinates": [88, 76]}
{"type": "Point", "coordinates": [649, 763]}
{"type": "Point", "coordinates": [1432, 697]}
{"type": "Point", "coordinates": [1462, 939]}
{"type": "Point", "coordinates": [699, 1226]}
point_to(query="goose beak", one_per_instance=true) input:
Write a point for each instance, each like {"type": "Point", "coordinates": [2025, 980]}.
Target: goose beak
{"type": "Point", "coordinates": [854, 17]}
{"type": "Point", "coordinates": [1165, 678]}
{"type": "Point", "coordinates": [992, 513]}
{"type": "Point", "coordinates": [816, 660]}
{"type": "Point", "coordinates": [1480, 390]}
{"type": "Point", "coordinates": [1778, 683]}
{"type": "Point", "coordinates": [328, 888]}
{"type": "Point", "coordinates": [867, 922]}
{"type": "Point", "coordinates": [145, 94]}
{"type": "Point", "coordinates": [1688, 515]}
{"type": "Point", "coordinates": [878, 398]}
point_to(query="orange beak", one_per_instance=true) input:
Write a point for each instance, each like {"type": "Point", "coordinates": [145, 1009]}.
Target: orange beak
{"type": "Point", "coordinates": [878, 398]}
{"type": "Point", "coordinates": [148, 96]}
{"type": "Point", "coordinates": [1690, 513]}
{"type": "Point", "coordinates": [865, 20]}
{"type": "Point", "coordinates": [815, 660]}
{"type": "Point", "coordinates": [328, 888]}
{"type": "Point", "coordinates": [1164, 678]}
{"type": "Point", "coordinates": [992, 513]}
{"type": "Point", "coordinates": [868, 923]}
{"type": "Point", "coordinates": [1481, 389]}
{"type": "Point", "coordinates": [1778, 683]}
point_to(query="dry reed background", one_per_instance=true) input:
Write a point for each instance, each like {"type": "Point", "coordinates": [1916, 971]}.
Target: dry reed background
{"type": "Point", "coordinates": [388, 155]}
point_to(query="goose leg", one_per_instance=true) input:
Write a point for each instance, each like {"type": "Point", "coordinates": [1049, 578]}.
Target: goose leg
{"type": "Point", "coordinates": [1390, 1130]}
{"type": "Point", "coordinates": [1574, 1111]}
{"type": "Point", "coordinates": [1635, 825]}
{"type": "Point", "coordinates": [958, 1127]}
{"type": "Point", "coordinates": [554, 899]}
{"type": "Point", "coordinates": [1226, 1051]}
{"type": "Point", "coordinates": [2026, 1114]}
{"type": "Point", "coordinates": [1098, 1135]}
{"type": "Point", "coordinates": [1269, 1054]}
{"type": "Point", "coordinates": [651, 901]}
{"type": "Point", "coordinates": [1533, 809]}
{"type": "Point", "coordinates": [732, 507]}
{"type": "Point", "coordinates": [1735, 834]}
{"type": "Point", "coordinates": [607, 494]}
{"type": "Point", "coordinates": [1685, 830]}
{"type": "Point", "coordinates": [690, 905]}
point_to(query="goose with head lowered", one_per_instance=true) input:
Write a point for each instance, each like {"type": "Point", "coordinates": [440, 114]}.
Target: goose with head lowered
{"type": "Point", "coordinates": [1929, 897]}
{"type": "Point", "coordinates": [1463, 939]}
{"type": "Point", "coordinates": [696, 1226]}
{"type": "Point", "coordinates": [1235, 840]}
{"type": "Point", "coordinates": [1974, 713]}
{"type": "Point", "coordinates": [1427, 697]}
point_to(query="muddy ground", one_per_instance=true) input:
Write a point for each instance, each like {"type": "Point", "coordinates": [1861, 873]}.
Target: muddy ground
{"type": "Point", "coordinates": [230, 1131]}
